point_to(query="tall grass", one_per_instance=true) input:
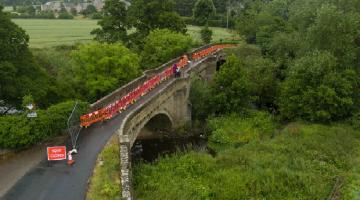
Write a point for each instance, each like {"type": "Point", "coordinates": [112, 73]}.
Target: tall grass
{"type": "Point", "coordinates": [302, 162]}
{"type": "Point", "coordinates": [105, 182]}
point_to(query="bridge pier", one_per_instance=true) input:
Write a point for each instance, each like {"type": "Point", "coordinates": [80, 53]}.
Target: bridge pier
{"type": "Point", "coordinates": [125, 166]}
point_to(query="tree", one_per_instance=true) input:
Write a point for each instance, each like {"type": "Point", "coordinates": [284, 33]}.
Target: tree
{"type": "Point", "coordinates": [65, 15]}
{"type": "Point", "coordinates": [113, 24]}
{"type": "Point", "coordinates": [231, 91]}
{"type": "Point", "coordinates": [18, 71]}
{"type": "Point", "coordinates": [73, 11]}
{"type": "Point", "coordinates": [155, 14]}
{"type": "Point", "coordinates": [206, 34]}
{"type": "Point", "coordinates": [90, 9]}
{"type": "Point", "coordinates": [184, 7]}
{"type": "Point", "coordinates": [316, 90]}
{"type": "Point", "coordinates": [100, 68]}
{"type": "Point", "coordinates": [162, 45]}
{"type": "Point", "coordinates": [336, 32]}
{"type": "Point", "coordinates": [204, 9]}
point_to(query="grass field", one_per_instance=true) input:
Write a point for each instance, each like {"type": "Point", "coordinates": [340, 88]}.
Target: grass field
{"type": "Point", "coordinates": [46, 33]}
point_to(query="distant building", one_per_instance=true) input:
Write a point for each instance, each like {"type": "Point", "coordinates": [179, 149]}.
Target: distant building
{"type": "Point", "coordinates": [51, 6]}
{"type": "Point", "coordinates": [55, 6]}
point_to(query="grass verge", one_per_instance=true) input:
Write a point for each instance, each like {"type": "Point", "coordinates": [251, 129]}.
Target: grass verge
{"type": "Point", "coordinates": [105, 182]}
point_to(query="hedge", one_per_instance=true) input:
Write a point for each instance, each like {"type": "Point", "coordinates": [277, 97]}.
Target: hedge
{"type": "Point", "coordinates": [18, 131]}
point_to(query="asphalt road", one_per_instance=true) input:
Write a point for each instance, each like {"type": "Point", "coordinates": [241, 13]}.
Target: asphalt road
{"type": "Point", "coordinates": [61, 182]}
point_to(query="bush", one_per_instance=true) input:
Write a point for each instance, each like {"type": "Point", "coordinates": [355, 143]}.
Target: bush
{"type": "Point", "coordinates": [200, 99]}
{"type": "Point", "coordinates": [301, 163]}
{"type": "Point", "coordinates": [316, 90]}
{"type": "Point", "coordinates": [65, 15]}
{"type": "Point", "coordinates": [206, 35]}
{"type": "Point", "coordinates": [233, 131]}
{"type": "Point", "coordinates": [161, 45]}
{"type": "Point", "coordinates": [18, 131]}
{"type": "Point", "coordinates": [189, 20]}
{"type": "Point", "coordinates": [101, 68]}
{"type": "Point", "coordinates": [96, 16]}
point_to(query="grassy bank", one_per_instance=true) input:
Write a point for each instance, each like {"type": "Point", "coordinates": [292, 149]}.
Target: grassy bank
{"type": "Point", "coordinates": [105, 182]}
{"type": "Point", "coordinates": [50, 32]}
{"type": "Point", "coordinates": [304, 161]}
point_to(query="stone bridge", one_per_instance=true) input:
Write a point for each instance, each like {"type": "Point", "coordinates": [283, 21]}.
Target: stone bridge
{"type": "Point", "coordinates": [165, 107]}
{"type": "Point", "coordinates": [168, 109]}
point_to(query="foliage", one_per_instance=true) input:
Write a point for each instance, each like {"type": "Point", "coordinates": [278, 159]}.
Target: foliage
{"type": "Point", "coordinates": [245, 80]}
{"type": "Point", "coordinates": [203, 10]}
{"type": "Point", "coordinates": [113, 24]}
{"type": "Point", "coordinates": [162, 45]}
{"type": "Point", "coordinates": [58, 66]}
{"type": "Point", "coordinates": [19, 74]}
{"type": "Point", "coordinates": [232, 90]}
{"type": "Point", "coordinates": [315, 90]}
{"type": "Point", "coordinates": [206, 34]}
{"type": "Point", "coordinates": [101, 68]}
{"type": "Point", "coordinates": [301, 163]}
{"type": "Point", "coordinates": [90, 9]}
{"type": "Point", "coordinates": [105, 182]}
{"type": "Point", "coordinates": [96, 16]}
{"type": "Point", "coordinates": [27, 99]}
{"type": "Point", "coordinates": [65, 15]}
{"type": "Point", "coordinates": [298, 34]}
{"type": "Point", "coordinates": [233, 131]}
{"type": "Point", "coordinates": [18, 131]}
{"type": "Point", "coordinates": [200, 93]}
{"type": "Point", "coordinates": [149, 15]}
{"type": "Point", "coordinates": [185, 7]}
{"type": "Point", "coordinates": [335, 32]}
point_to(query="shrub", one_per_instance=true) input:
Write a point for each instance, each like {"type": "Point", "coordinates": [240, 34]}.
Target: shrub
{"type": "Point", "coordinates": [316, 90]}
{"type": "Point", "coordinates": [101, 68]}
{"type": "Point", "coordinates": [65, 15]}
{"type": "Point", "coordinates": [301, 166]}
{"type": "Point", "coordinates": [162, 45]}
{"type": "Point", "coordinates": [96, 16]}
{"type": "Point", "coordinates": [18, 131]}
{"type": "Point", "coordinates": [233, 131]}
{"type": "Point", "coordinates": [206, 35]}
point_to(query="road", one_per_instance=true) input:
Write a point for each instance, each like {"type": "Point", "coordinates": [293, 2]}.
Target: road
{"type": "Point", "coordinates": [59, 181]}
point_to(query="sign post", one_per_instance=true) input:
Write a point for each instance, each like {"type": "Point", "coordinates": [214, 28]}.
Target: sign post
{"type": "Point", "coordinates": [56, 153]}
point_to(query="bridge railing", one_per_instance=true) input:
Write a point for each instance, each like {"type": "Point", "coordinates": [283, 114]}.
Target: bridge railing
{"type": "Point", "coordinates": [118, 100]}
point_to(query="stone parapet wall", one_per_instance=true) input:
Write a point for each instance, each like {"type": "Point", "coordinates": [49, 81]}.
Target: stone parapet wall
{"type": "Point", "coordinates": [120, 92]}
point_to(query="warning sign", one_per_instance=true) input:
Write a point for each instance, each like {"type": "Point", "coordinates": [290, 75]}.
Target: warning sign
{"type": "Point", "coordinates": [56, 153]}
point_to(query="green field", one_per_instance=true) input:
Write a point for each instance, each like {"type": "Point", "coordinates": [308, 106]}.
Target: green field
{"type": "Point", "coordinates": [47, 32]}
{"type": "Point", "coordinates": [50, 32]}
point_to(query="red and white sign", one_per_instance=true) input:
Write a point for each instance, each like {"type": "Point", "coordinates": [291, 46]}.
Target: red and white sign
{"type": "Point", "coordinates": [56, 153]}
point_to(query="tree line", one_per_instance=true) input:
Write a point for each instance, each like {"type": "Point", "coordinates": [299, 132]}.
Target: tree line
{"type": "Point", "coordinates": [301, 61]}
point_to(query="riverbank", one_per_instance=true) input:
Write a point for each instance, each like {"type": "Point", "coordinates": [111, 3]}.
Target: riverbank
{"type": "Point", "coordinates": [302, 162]}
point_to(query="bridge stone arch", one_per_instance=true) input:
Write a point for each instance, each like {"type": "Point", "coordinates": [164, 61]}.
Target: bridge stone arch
{"type": "Point", "coordinates": [171, 102]}
{"type": "Point", "coordinates": [160, 121]}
